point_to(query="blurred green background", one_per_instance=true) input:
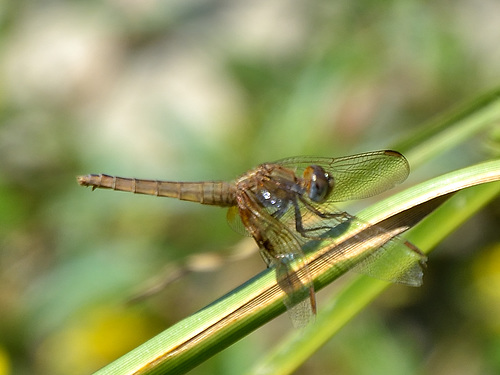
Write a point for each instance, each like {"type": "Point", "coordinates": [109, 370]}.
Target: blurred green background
{"type": "Point", "coordinates": [206, 89]}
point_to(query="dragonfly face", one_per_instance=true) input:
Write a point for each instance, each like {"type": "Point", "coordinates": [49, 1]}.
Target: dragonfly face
{"type": "Point", "coordinates": [318, 183]}
{"type": "Point", "coordinates": [285, 204]}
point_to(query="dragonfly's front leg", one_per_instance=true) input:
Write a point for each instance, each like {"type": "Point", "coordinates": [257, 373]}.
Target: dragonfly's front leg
{"type": "Point", "coordinates": [340, 216]}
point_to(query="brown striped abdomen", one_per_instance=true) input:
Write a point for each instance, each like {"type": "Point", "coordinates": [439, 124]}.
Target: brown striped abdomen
{"type": "Point", "coordinates": [218, 193]}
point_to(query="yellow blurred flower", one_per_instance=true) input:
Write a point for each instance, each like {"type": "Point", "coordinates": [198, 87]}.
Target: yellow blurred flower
{"type": "Point", "coordinates": [486, 286]}
{"type": "Point", "coordinates": [99, 337]}
{"type": "Point", "coordinates": [4, 362]}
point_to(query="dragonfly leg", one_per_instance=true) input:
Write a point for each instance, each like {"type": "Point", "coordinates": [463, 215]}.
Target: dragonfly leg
{"type": "Point", "coordinates": [305, 232]}
{"type": "Point", "coordinates": [299, 226]}
{"type": "Point", "coordinates": [326, 215]}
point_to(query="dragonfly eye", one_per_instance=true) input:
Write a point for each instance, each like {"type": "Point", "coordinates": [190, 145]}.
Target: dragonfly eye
{"type": "Point", "coordinates": [318, 183]}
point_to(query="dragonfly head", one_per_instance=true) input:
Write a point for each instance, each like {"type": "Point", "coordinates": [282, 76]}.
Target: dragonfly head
{"type": "Point", "coordinates": [318, 183]}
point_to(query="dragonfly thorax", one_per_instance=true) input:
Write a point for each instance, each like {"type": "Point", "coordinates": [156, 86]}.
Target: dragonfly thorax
{"type": "Point", "coordinates": [318, 183]}
{"type": "Point", "coordinates": [276, 202]}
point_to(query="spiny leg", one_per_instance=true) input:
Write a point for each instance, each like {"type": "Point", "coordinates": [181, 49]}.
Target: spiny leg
{"type": "Point", "coordinates": [341, 216]}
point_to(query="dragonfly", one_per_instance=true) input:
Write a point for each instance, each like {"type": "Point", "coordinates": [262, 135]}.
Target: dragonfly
{"type": "Point", "coordinates": [285, 204]}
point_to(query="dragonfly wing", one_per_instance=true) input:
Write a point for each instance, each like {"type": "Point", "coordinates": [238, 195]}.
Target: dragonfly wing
{"type": "Point", "coordinates": [357, 176]}
{"type": "Point", "coordinates": [300, 299]}
{"type": "Point", "coordinates": [373, 250]}
{"type": "Point", "coordinates": [234, 221]}
{"type": "Point", "coordinates": [281, 249]}
{"type": "Point", "coordinates": [397, 261]}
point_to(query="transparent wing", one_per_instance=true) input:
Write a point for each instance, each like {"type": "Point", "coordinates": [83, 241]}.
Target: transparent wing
{"type": "Point", "coordinates": [385, 256]}
{"type": "Point", "coordinates": [234, 221]}
{"type": "Point", "coordinates": [357, 176]}
{"type": "Point", "coordinates": [281, 248]}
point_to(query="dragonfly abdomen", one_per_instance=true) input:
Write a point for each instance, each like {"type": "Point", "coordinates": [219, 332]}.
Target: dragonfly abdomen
{"type": "Point", "coordinates": [218, 193]}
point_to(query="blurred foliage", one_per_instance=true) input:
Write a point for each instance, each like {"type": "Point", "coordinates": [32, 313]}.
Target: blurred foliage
{"type": "Point", "coordinates": [206, 89]}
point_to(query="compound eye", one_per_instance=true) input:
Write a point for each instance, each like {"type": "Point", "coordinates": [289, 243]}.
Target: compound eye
{"type": "Point", "coordinates": [318, 183]}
